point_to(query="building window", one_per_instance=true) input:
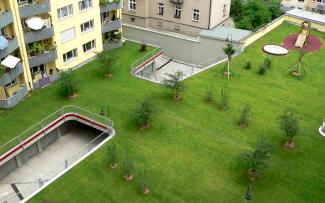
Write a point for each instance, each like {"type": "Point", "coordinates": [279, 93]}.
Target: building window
{"type": "Point", "coordinates": [224, 11]}
{"type": "Point", "coordinates": [65, 12]}
{"type": "Point", "coordinates": [22, 1]}
{"type": "Point", "coordinates": [85, 5]}
{"type": "Point", "coordinates": [132, 20]}
{"type": "Point", "coordinates": [12, 83]}
{"type": "Point", "coordinates": [68, 35]}
{"type": "Point", "coordinates": [89, 46]}
{"type": "Point", "coordinates": [196, 15]}
{"type": "Point", "coordinates": [70, 55]}
{"type": "Point", "coordinates": [132, 5]}
{"type": "Point", "coordinates": [160, 9]}
{"type": "Point", "coordinates": [87, 26]}
{"type": "Point", "coordinates": [178, 11]}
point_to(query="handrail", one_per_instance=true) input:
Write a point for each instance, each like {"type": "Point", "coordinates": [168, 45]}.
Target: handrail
{"type": "Point", "coordinates": [49, 119]}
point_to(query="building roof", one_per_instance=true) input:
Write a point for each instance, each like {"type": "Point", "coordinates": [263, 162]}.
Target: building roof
{"type": "Point", "coordinates": [316, 17]}
{"type": "Point", "coordinates": [225, 33]}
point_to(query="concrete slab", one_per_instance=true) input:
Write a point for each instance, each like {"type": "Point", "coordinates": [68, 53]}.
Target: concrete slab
{"type": "Point", "coordinates": [53, 158]}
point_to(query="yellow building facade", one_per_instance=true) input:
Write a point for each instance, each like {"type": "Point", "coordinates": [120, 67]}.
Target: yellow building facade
{"type": "Point", "coordinates": [40, 38]}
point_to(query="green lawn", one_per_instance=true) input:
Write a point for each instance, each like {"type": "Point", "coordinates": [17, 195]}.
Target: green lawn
{"type": "Point", "coordinates": [192, 148]}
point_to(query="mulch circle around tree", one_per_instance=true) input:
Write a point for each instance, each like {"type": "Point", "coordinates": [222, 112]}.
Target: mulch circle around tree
{"type": "Point", "coordinates": [313, 43]}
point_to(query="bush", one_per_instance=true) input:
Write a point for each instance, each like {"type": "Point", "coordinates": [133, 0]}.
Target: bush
{"type": "Point", "coordinates": [112, 156]}
{"type": "Point", "coordinates": [224, 99]}
{"type": "Point", "coordinates": [289, 123]}
{"type": "Point", "coordinates": [257, 158]}
{"type": "Point", "coordinates": [245, 115]}
{"type": "Point", "coordinates": [248, 65]}
{"type": "Point", "coordinates": [1, 71]}
{"type": "Point", "coordinates": [106, 63]}
{"type": "Point", "coordinates": [128, 168]}
{"type": "Point", "coordinates": [143, 47]}
{"type": "Point", "coordinates": [268, 62]}
{"type": "Point", "coordinates": [69, 84]}
{"type": "Point", "coordinates": [262, 69]}
{"type": "Point", "coordinates": [143, 181]}
{"type": "Point", "coordinates": [144, 112]}
{"type": "Point", "coordinates": [175, 83]}
{"type": "Point", "coordinates": [209, 95]}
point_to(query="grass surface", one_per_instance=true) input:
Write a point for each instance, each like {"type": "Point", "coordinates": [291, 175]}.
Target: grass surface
{"type": "Point", "coordinates": [192, 148]}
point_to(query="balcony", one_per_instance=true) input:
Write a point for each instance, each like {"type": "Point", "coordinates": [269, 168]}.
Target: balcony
{"type": "Point", "coordinates": [43, 58]}
{"type": "Point", "coordinates": [14, 99]}
{"type": "Point", "coordinates": [110, 7]}
{"type": "Point", "coordinates": [108, 26]}
{"type": "Point", "coordinates": [112, 45]}
{"type": "Point", "coordinates": [12, 46]}
{"type": "Point", "coordinates": [45, 81]}
{"type": "Point", "coordinates": [176, 1]}
{"type": "Point", "coordinates": [34, 36]}
{"type": "Point", "coordinates": [8, 77]}
{"type": "Point", "coordinates": [37, 8]}
{"type": "Point", "coordinates": [6, 18]}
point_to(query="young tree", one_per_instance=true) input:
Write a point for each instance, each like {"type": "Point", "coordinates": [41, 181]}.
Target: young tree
{"type": "Point", "coordinates": [289, 123]}
{"type": "Point", "coordinates": [224, 99]}
{"type": "Point", "coordinates": [267, 62]}
{"type": "Point", "coordinates": [248, 65]}
{"type": "Point", "coordinates": [143, 182]}
{"type": "Point", "coordinates": [106, 63]}
{"type": "Point", "coordinates": [245, 115]}
{"type": "Point", "coordinates": [128, 168]}
{"type": "Point", "coordinates": [229, 50]}
{"type": "Point", "coordinates": [257, 158]}
{"type": "Point", "coordinates": [69, 84]}
{"type": "Point", "coordinates": [209, 97]}
{"type": "Point", "coordinates": [174, 82]}
{"type": "Point", "coordinates": [112, 156]}
{"type": "Point", "coordinates": [144, 113]}
{"type": "Point", "coordinates": [143, 47]}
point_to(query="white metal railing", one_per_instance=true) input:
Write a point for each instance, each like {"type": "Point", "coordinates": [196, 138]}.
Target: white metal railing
{"type": "Point", "coordinates": [136, 64]}
{"type": "Point", "coordinates": [49, 119]}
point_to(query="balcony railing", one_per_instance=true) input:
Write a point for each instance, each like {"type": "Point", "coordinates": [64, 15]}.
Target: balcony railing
{"type": "Point", "coordinates": [12, 46]}
{"type": "Point", "coordinates": [110, 7]}
{"type": "Point", "coordinates": [34, 36]}
{"type": "Point", "coordinates": [176, 1]}
{"type": "Point", "coordinates": [6, 18]}
{"type": "Point", "coordinates": [14, 99]}
{"type": "Point", "coordinates": [43, 58]}
{"type": "Point", "coordinates": [112, 45]}
{"type": "Point", "coordinates": [108, 26]}
{"type": "Point", "coordinates": [8, 77]}
{"type": "Point", "coordinates": [37, 8]}
{"type": "Point", "coordinates": [45, 81]}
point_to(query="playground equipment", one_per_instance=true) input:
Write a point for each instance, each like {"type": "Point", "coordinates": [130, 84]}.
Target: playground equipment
{"type": "Point", "coordinates": [298, 66]}
{"type": "Point", "coordinates": [304, 34]}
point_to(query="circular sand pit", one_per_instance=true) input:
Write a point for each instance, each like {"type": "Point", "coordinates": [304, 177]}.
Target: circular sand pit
{"type": "Point", "coordinates": [275, 50]}
{"type": "Point", "coordinates": [312, 44]}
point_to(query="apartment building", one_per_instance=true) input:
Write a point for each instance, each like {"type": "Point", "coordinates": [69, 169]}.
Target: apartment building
{"type": "Point", "coordinates": [183, 16]}
{"type": "Point", "coordinates": [307, 5]}
{"type": "Point", "coordinates": [40, 38]}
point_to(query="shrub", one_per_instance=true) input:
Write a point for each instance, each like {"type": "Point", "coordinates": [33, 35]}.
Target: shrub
{"type": "Point", "coordinates": [245, 115]}
{"type": "Point", "coordinates": [106, 63]}
{"type": "Point", "coordinates": [1, 71]}
{"type": "Point", "coordinates": [103, 2]}
{"type": "Point", "coordinates": [262, 69]}
{"type": "Point", "coordinates": [128, 168]}
{"type": "Point", "coordinates": [289, 123]}
{"type": "Point", "coordinates": [248, 65]}
{"type": "Point", "coordinates": [143, 47]}
{"type": "Point", "coordinates": [144, 112]}
{"type": "Point", "coordinates": [175, 83]}
{"type": "Point", "coordinates": [209, 95]}
{"type": "Point", "coordinates": [143, 181]}
{"type": "Point", "coordinates": [224, 99]}
{"type": "Point", "coordinates": [257, 158]}
{"type": "Point", "coordinates": [268, 62]}
{"type": "Point", "coordinates": [69, 84]}
{"type": "Point", "coordinates": [112, 156]}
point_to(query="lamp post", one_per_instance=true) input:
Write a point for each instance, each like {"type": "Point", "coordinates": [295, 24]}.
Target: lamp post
{"type": "Point", "coordinates": [102, 111]}
{"type": "Point", "coordinates": [248, 194]}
